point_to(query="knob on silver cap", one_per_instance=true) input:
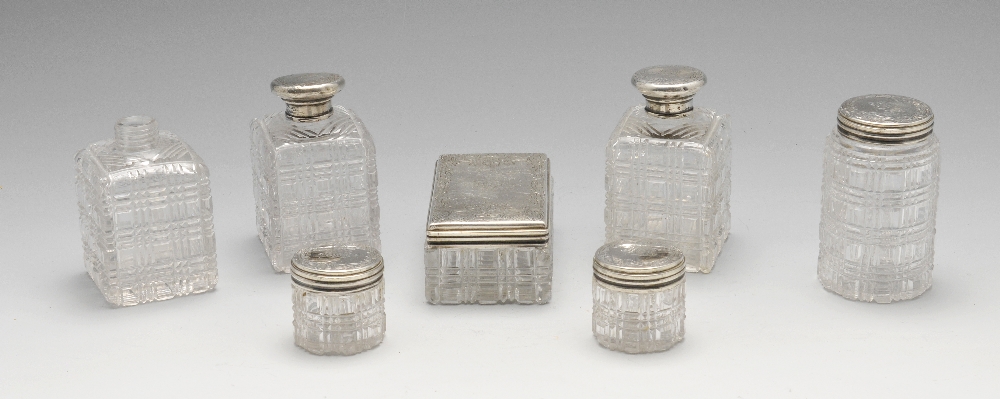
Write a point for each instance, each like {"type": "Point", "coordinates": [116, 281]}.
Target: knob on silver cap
{"type": "Point", "coordinates": [669, 89]}
{"type": "Point", "coordinates": [885, 118]}
{"type": "Point", "coordinates": [308, 95]}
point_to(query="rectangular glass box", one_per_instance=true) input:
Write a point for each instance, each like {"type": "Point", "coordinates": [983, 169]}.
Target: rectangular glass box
{"type": "Point", "coordinates": [489, 229]}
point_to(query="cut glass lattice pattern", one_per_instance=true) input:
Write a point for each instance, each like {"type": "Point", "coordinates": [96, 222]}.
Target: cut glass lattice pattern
{"type": "Point", "coordinates": [638, 321]}
{"type": "Point", "coordinates": [146, 220]}
{"type": "Point", "coordinates": [488, 274]}
{"type": "Point", "coordinates": [877, 222]}
{"type": "Point", "coordinates": [338, 323]}
{"type": "Point", "coordinates": [668, 179]}
{"type": "Point", "coordinates": [315, 184]}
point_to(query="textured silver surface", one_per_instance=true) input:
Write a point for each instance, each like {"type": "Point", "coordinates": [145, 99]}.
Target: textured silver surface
{"type": "Point", "coordinates": [638, 264]}
{"type": "Point", "coordinates": [885, 118]}
{"type": "Point", "coordinates": [337, 267]}
{"type": "Point", "coordinates": [307, 95]}
{"type": "Point", "coordinates": [669, 89]}
{"type": "Point", "coordinates": [477, 194]}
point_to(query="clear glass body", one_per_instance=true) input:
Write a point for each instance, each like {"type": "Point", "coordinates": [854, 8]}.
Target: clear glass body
{"type": "Point", "coordinates": [338, 323]}
{"type": "Point", "coordinates": [488, 274]}
{"type": "Point", "coordinates": [145, 216]}
{"type": "Point", "coordinates": [638, 321]}
{"type": "Point", "coordinates": [315, 184]}
{"type": "Point", "coordinates": [668, 179]}
{"type": "Point", "coordinates": [877, 223]}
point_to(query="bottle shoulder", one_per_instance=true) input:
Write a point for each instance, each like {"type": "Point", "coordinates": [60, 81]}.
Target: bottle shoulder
{"type": "Point", "coordinates": [701, 127]}
{"type": "Point", "coordinates": [170, 155]}
{"type": "Point", "coordinates": [281, 131]}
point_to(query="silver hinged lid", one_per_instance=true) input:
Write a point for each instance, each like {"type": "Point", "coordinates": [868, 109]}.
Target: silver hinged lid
{"type": "Point", "coordinates": [337, 268]}
{"type": "Point", "coordinates": [490, 198]}
{"type": "Point", "coordinates": [885, 118]}
{"type": "Point", "coordinates": [640, 265]}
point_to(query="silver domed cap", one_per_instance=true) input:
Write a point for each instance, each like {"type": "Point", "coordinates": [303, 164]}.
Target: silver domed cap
{"type": "Point", "coordinates": [308, 95]}
{"type": "Point", "coordinates": [885, 118]}
{"type": "Point", "coordinates": [669, 89]}
{"type": "Point", "coordinates": [641, 265]}
{"type": "Point", "coordinates": [337, 268]}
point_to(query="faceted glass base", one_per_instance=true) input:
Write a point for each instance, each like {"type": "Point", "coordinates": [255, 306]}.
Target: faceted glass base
{"type": "Point", "coordinates": [334, 323]}
{"type": "Point", "coordinates": [488, 274]}
{"type": "Point", "coordinates": [638, 321]}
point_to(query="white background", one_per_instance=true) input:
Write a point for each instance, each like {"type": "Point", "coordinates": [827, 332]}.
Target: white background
{"type": "Point", "coordinates": [441, 78]}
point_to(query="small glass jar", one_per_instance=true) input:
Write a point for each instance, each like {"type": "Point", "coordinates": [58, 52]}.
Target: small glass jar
{"type": "Point", "coordinates": [880, 190]}
{"type": "Point", "coordinates": [338, 299]}
{"type": "Point", "coordinates": [638, 296]}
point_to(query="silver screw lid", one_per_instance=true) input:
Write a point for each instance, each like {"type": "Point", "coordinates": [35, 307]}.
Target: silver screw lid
{"type": "Point", "coordinates": [669, 89]}
{"type": "Point", "coordinates": [642, 265]}
{"type": "Point", "coordinates": [337, 268]}
{"type": "Point", "coordinates": [885, 118]}
{"type": "Point", "coordinates": [308, 95]}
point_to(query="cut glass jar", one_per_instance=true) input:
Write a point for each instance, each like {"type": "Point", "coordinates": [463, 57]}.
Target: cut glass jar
{"type": "Point", "coordinates": [314, 175]}
{"type": "Point", "coordinates": [145, 215]}
{"type": "Point", "coordinates": [338, 299]}
{"type": "Point", "coordinates": [638, 296]}
{"type": "Point", "coordinates": [668, 167]}
{"type": "Point", "coordinates": [488, 230]}
{"type": "Point", "coordinates": [880, 190]}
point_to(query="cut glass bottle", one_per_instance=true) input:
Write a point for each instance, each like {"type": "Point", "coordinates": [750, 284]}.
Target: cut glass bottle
{"type": "Point", "coordinates": [314, 175]}
{"type": "Point", "coordinates": [668, 168]}
{"type": "Point", "coordinates": [145, 215]}
{"type": "Point", "coordinates": [880, 189]}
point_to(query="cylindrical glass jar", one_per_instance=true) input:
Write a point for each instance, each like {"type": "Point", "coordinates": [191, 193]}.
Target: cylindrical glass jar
{"type": "Point", "coordinates": [638, 296]}
{"type": "Point", "coordinates": [880, 189]}
{"type": "Point", "coordinates": [338, 299]}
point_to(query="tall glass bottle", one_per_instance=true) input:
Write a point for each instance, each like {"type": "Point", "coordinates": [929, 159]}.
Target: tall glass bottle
{"type": "Point", "coordinates": [880, 189]}
{"type": "Point", "coordinates": [314, 176]}
{"type": "Point", "coordinates": [668, 166]}
{"type": "Point", "coordinates": [145, 215]}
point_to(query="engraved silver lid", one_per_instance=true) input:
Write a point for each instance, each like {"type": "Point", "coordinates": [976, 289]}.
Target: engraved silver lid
{"type": "Point", "coordinates": [337, 268]}
{"type": "Point", "coordinates": [639, 265]}
{"type": "Point", "coordinates": [669, 89]}
{"type": "Point", "coordinates": [885, 118]}
{"type": "Point", "coordinates": [307, 95]}
{"type": "Point", "coordinates": [490, 198]}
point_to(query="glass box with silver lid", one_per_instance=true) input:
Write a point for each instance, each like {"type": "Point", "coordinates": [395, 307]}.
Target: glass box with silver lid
{"type": "Point", "coordinates": [638, 296]}
{"type": "Point", "coordinates": [880, 190]}
{"type": "Point", "coordinates": [145, 215]}
{"type": "Point", "coordinates": [338, 299]}
{"type": "Point", "coordinates": [314, 175]}
{"type": "Point", "coordinates": [488, 230]}
{"type": "Point", "coordinates": [668, 166]}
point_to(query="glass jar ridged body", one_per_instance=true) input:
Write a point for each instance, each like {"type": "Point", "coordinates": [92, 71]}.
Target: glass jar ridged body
{"type": "Point", "coordinates": [668, 178]}
{"type": "Point", "coordinates": [488, 274]}
{"type": "Point", "coordinates": [338, 323]}
{"type": "Point", "coordinates": [315, 183]}
{"type": "Point", "coordinates": [878, 215]}
{"type": "Point", "coordinates": [145, 215]}
{"type": "Point", "coordinates": [638, 320]}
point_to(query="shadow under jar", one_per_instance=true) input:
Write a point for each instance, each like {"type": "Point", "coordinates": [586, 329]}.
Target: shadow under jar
{"type": "Point", "coordinates": [880, 190]}
{"type": "Point", "coordinates": [338, 299]}
{"type": "Point", "coordinates": [638, 296]}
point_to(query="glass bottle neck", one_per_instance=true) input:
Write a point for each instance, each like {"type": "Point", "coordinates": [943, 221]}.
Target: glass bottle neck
{"type": "Point", "coordinates": [136, 133]}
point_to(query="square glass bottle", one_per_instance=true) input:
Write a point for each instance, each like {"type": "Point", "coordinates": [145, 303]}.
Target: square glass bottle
{"type": "Point", "coordinates": [314, 175]}
{"type": "Point", "coordinates": [880, 190]}
{"type": "Point", "coordinates": [145, 215]}
{"type": "Point", "coordinates": [488, 230]}
{"type": "Point", "coordinates": [668, 167]}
